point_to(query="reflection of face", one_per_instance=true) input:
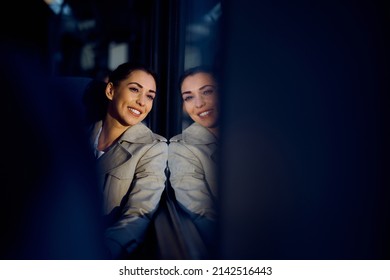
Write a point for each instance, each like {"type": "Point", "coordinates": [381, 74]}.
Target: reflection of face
{"type": "Point", "coordinates": [199, 92]}
{"type": "Point", "coordinates": [132, 99]}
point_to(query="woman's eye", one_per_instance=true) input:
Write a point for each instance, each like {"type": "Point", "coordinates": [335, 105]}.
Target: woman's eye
{"type": "Point", "coordinates": [150, 97]}
{"type": "Point", "coordinates": [208, 92]}
{"type": "Point", "coordinates": [187, 98]}
{"type": "Point", "coordinates": [134, 89]}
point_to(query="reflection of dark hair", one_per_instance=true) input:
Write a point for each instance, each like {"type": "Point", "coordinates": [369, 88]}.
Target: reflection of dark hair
{"type": "Point", "coordinates": [95, 100]}
{"type": "Point", "coordinates": [199, 69]}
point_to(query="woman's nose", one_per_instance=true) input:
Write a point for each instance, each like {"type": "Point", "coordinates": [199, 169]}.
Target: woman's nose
{"type": "Point", "coordinates": [141, 99]}
{"type": "Point", "coordinates": [199, 102]}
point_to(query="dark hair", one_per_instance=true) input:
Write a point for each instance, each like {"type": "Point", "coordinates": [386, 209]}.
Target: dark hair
{"type": "Point", "coordinates": [199, 69]}
{"type": "Point", "coordinates": [125, 69]}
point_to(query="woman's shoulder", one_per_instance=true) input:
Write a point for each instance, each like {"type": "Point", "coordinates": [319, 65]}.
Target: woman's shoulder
{"type": "Point", "coordinates": [187, 132]}
{"type": "Point", "coordinates": [194, 134]}
{"type": "Point", "coordinates": [140, 133]}
{"type": "Point", "coordinates": [176, 138]}
{"type": "Point", "coordinates": [159, 137]}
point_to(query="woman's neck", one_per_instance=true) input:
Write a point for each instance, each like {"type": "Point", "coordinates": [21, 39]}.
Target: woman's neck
{"type": "Point", "coordinates": [111, 131]}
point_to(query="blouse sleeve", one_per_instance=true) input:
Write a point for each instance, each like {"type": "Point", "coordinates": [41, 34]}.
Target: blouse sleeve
{"type": "Point", "coordinates": [188, 180]}
{"type": "Point", "coordinates": [142, 201]}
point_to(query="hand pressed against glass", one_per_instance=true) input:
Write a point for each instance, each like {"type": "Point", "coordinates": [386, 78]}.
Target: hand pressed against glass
{"type": "Point", "coordinates": [199, 92]}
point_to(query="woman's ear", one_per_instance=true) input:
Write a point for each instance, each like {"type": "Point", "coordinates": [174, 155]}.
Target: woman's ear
{"type": "Point", "coordinates": [110, 90]}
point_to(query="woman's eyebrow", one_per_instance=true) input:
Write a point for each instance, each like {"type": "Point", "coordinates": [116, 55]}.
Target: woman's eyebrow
{"type": "Point", "coordinates": [135, 83]}
{"type": "Point", "coordinates": [201, 88]}
{"type": "Point", "coordinates": [186, 92]}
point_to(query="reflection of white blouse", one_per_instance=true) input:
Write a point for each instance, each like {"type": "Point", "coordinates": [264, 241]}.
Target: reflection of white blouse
{"type": "Point", "coordinates": [192, 161]}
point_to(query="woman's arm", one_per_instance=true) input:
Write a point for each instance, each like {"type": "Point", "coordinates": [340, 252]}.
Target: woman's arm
{"type": "Point", "coordinates": [142, 201]}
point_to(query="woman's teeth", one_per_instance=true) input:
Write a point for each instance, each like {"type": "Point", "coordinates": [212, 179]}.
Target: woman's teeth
{"type": "Point", "coordinates": [135, 111]}
{"type": "Point", "coordinates": [204, 113]}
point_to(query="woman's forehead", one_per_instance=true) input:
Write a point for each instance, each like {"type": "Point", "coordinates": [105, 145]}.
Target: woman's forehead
{"type": "Point", "coordinates": [143, 78]}
{"type": "Point", "coordinates": [197, 80]}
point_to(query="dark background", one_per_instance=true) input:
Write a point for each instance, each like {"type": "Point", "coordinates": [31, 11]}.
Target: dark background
{"type": "Point", "coordinates": [304, 100]}
{"type": "Point", "coordinates": [305, 143]}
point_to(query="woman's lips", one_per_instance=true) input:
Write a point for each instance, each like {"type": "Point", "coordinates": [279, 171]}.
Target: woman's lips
{"type": "Point", "coordinates": [204, 113]}
{"type": "Point", "coordinates": [135, 112]}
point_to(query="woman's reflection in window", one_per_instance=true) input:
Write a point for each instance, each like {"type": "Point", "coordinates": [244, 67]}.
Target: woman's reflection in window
{"type": "Point", "coordinates": [192, 158]}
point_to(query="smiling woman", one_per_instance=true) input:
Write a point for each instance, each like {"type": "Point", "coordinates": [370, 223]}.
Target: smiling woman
{"type": "Point", "coordinates": [199, 92]}
{"type": "Point", "coordinates": [131, 101]}
{"type": "Point", "coordinates": [131, 159]}
{"type": "Point", "coordinates": [192, 158]}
